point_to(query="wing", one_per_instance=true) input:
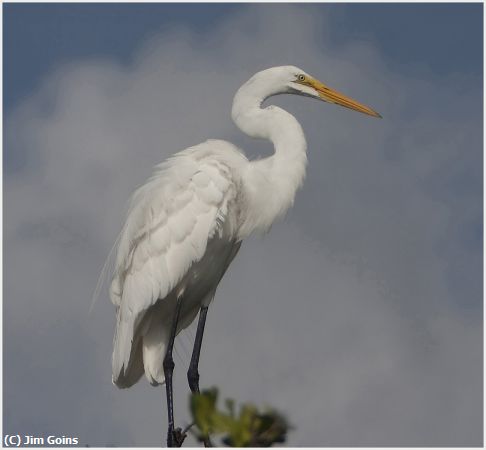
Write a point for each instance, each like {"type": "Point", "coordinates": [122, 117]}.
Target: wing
{"type": "Point", "coordinates": [170, 221]}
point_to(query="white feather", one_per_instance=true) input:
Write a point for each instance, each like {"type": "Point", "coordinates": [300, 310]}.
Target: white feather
{"type": "Point", "coordinates": [171, 221]}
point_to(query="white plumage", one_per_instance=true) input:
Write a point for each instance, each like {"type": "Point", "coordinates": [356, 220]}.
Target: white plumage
{"type": "Point", "coordinates": [184, 217]}
{"type": "Point", "coordinates": [186, 224]}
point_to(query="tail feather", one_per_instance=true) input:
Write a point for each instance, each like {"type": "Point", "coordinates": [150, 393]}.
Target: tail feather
{"type": "Point", "coordinates": [127, 363]}
{"type": "Point", "coordinates": [154, 348]}
{"type": "Point", "coordinates": [128, 376]}
{"type": "Point", "coordinates": [143, 350]}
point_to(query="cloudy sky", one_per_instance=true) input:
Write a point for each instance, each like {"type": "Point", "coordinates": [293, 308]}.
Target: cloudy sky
{"type": "Point", "coordinates": [359, 315]}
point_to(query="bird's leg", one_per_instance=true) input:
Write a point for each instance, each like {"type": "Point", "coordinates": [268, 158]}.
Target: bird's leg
{"type": "Point", "coordinates": [193, 373]}
{"type": "Point", "coordinates": [173, 437]}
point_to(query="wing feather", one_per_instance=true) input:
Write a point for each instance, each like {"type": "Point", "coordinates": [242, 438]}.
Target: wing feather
{"type": "Point", "coordinates": [170, 221]}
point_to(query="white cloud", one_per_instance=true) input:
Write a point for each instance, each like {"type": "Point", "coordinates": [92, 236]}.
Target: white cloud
{"type": "Point", "coordinates": [344, 316]}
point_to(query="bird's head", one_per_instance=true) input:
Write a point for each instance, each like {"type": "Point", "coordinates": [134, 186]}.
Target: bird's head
{"type": "Point", "coordinates": [292, 80]}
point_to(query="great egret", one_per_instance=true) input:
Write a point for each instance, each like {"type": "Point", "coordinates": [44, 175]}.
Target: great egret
{"type": "Point", "coordinates": [186, 224]}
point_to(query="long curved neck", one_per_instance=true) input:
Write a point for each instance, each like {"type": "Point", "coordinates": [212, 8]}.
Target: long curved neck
{"type": "Point", "coordinates": [270, 184]}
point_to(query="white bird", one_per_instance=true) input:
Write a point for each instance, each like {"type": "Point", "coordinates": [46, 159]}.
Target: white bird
{"type": "Point", "coordinates": [186, 224]}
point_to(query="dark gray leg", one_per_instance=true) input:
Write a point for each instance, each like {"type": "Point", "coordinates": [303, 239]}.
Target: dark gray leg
{"type": "Point", "coordinates": [193, 373]}
{"type": "Point", "coordinates": [168, 371]}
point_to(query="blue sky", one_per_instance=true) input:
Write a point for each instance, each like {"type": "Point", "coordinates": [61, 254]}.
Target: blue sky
{"type": "Point", "coordinates": [360, 314]}
{"type": "Point", "coordinates": [441, 38]}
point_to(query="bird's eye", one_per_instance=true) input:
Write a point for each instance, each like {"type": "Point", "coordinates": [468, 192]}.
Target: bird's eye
{"type": "Point", "coordinates": [301, 77]}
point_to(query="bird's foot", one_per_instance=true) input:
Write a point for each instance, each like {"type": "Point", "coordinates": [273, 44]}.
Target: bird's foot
{"type": "Point", "coordinates": [175, 438]}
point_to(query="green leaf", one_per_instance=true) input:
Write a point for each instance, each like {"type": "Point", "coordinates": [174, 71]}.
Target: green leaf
{"type": "Point", "coordinates": [250, 428]}
{"type": "Point", "coordinates": [203, 407]}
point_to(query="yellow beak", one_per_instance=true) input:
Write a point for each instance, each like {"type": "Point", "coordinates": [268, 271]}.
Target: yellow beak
{"type": "Point", "coordinates": [329, 95]}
